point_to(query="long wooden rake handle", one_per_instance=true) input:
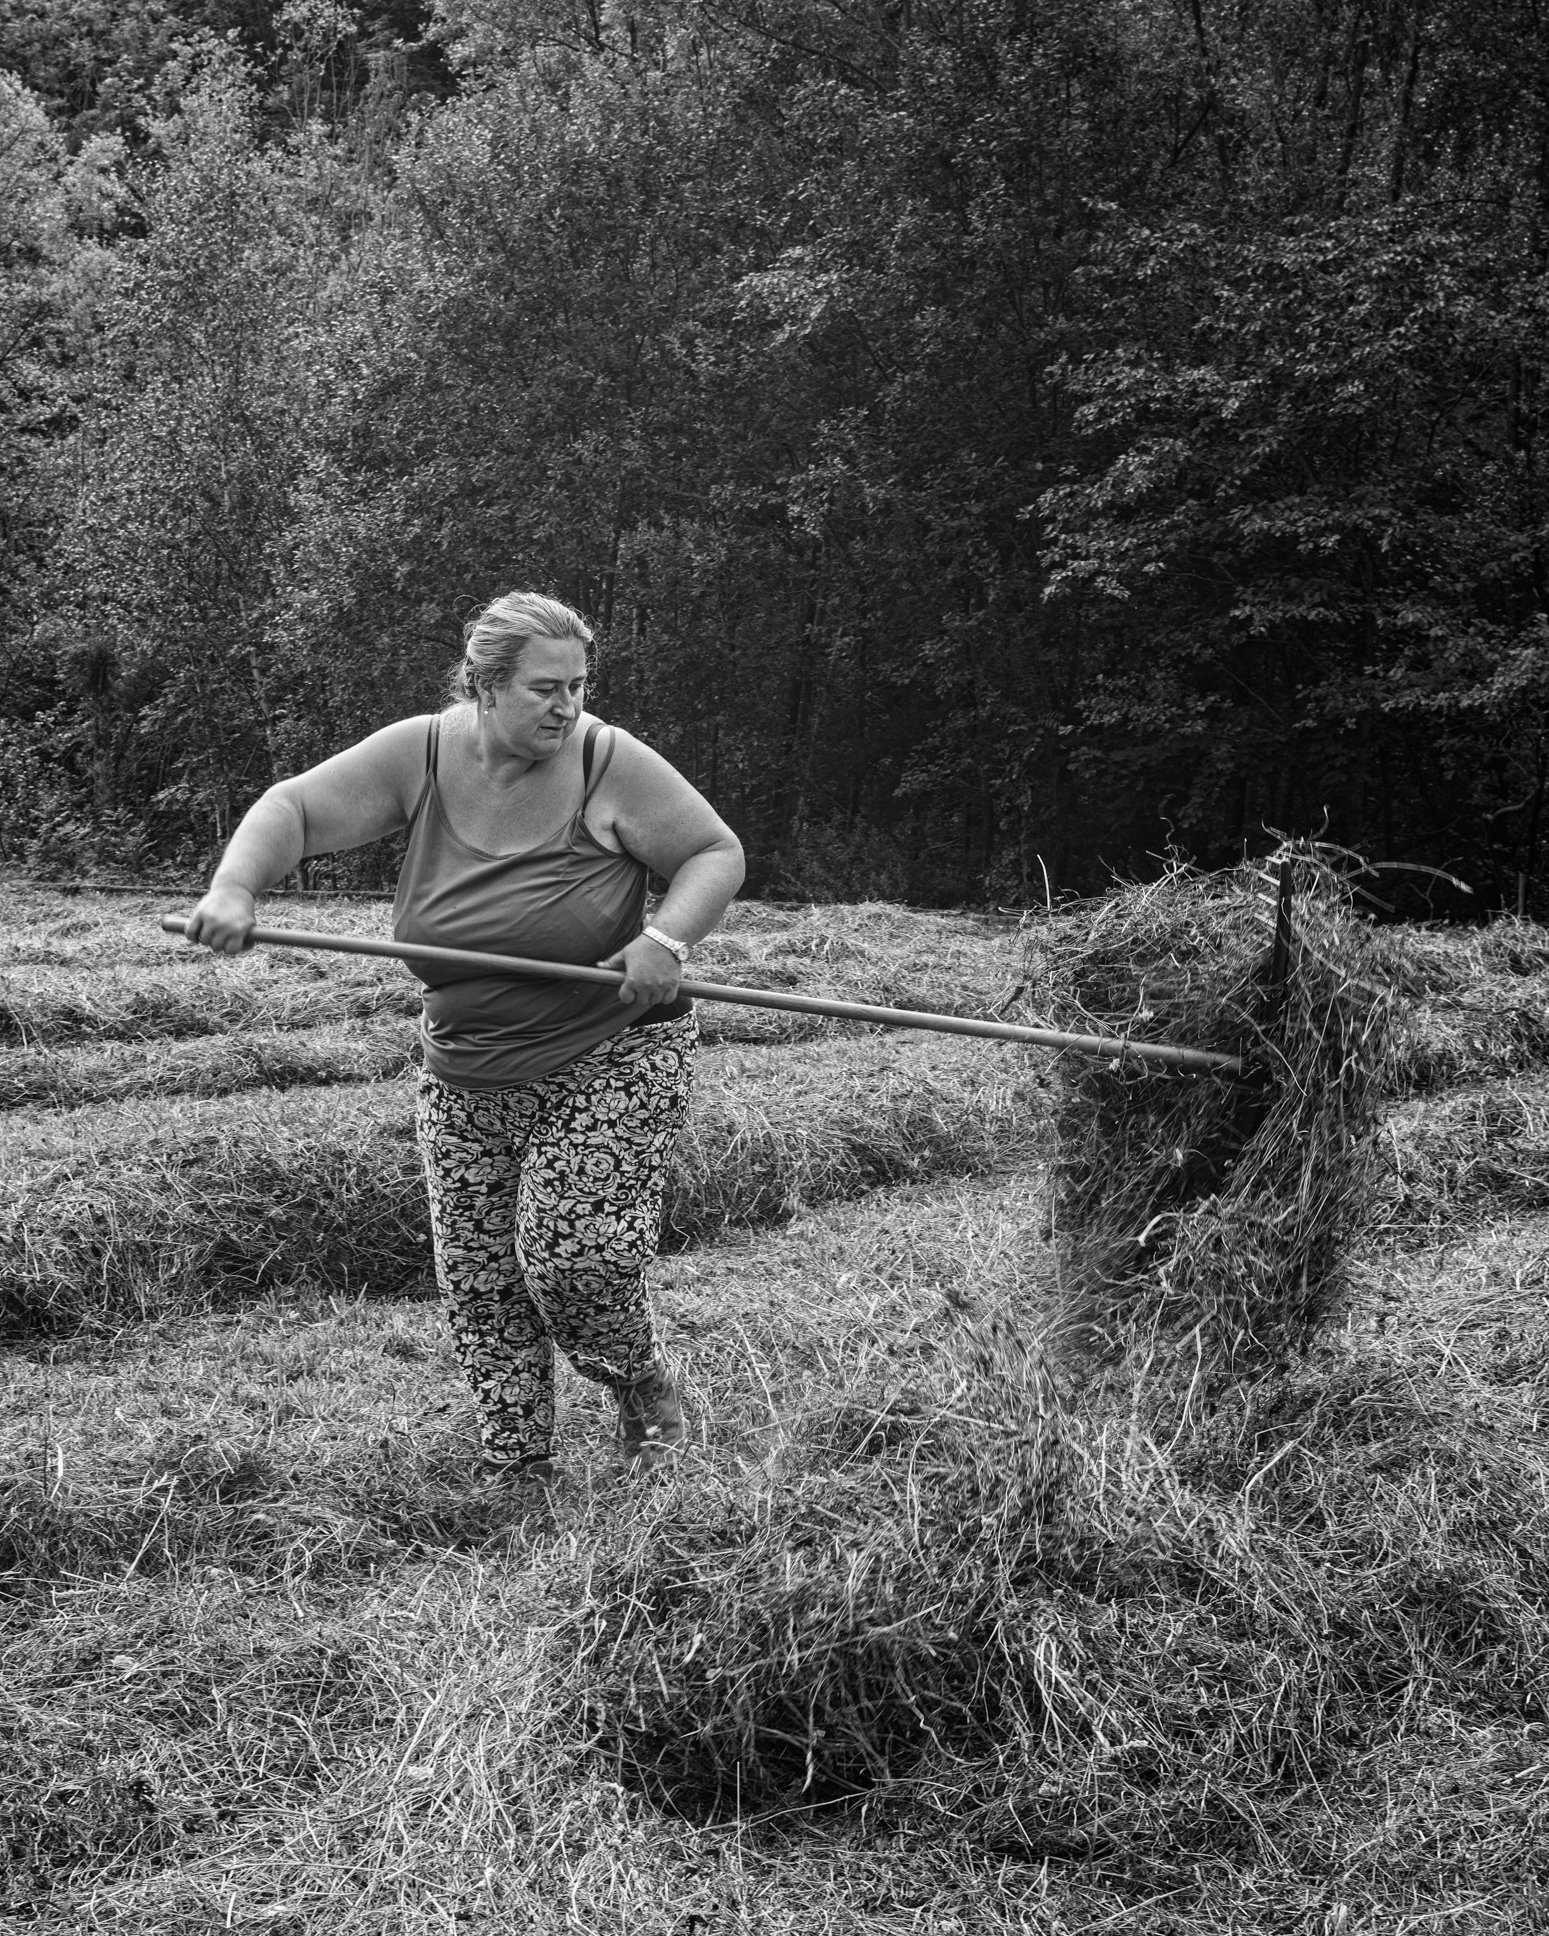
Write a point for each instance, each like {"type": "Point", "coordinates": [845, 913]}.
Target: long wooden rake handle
{"type": "Point", "coordinates": [467, 961]}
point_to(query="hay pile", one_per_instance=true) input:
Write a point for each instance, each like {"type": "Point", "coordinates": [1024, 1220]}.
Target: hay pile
{"type": "Point", "coordinates": [1203, 1210]}
{"type": "Point", "coordinates": [1007, 1622]}
{"type": "Point", "coordinates": [874, 1606]}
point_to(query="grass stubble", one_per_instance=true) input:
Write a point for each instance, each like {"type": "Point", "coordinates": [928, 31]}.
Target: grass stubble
{"type": "Point", "coordinates": [929, 1633]}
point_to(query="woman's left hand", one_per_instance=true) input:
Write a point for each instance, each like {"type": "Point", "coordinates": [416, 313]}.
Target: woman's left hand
{"type": "Point", "coordinates": [651, 972]}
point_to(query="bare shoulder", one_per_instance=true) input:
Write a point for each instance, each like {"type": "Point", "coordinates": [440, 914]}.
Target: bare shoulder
{"type": "Point", "coordinates": [405, 740]}
{"type": "Point", "coordinates": [366, 790]}
{"type": "Point", "coordinates": [638, 770]}
{"type": "Point", "coordinates": [647, 807]}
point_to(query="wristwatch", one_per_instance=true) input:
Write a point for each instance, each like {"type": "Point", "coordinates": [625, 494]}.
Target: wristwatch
{"type": "Point", "coordinates": [678, 948]}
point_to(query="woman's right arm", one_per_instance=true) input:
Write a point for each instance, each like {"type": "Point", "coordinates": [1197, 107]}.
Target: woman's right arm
{"type": "Point", "coordinates": [359, 795]}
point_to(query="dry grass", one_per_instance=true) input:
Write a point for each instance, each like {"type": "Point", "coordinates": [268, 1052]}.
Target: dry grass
{"type": "Point", "coordinates": [920, 1638]}
{"type": "Point", "coordinates": [1476, 1003]}
{"type": "Point", "coordinates": [767, 1139]}
{"type": "Point", "coordinates": [1152, 1653]}
{"type": "Point", "coordinates": [1479, 1151]}
{"type": "Point", "coordinates": [1204, 1209]}
{"type": "Point", "coordinates": [156, 1205]}
{"type": "Point", "coordinates": [99, 969]}
{"type": "Point", "coordinates": [129, 1212]}
{"type": "Point", "coordinates": [284, 1666]}
{"type": "Point", "coordinates": [892, 957]}
{"type": "Point", "coordinates": [1289, 1662]}
{"type": "Point", "coordinates": [210, 1065]}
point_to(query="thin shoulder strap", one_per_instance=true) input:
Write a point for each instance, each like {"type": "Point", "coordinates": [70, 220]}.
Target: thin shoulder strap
{"type": "Point", "coordinates": [589, 780]}
{"type": "Point", "coordinates": [593, 775]}
{"type": "Point", "coordinates": [432, 740]}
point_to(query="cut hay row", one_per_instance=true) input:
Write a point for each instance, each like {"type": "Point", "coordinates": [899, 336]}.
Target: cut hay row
{"type": "Point", "coordinates": [1474, 1152]}
{"type": "Point", "coordinates": [106, 972]}
{"type": "Point", "coordinates": [63, 1050]}
{"type": "Point", "coordinates": [1474, 1003]}
{"type": "Point", "coordinates": [767, 1140]}
{"type": "Point", "coordinates": [121, 1213]}
{"type": "Point", "coordinates": [189, 994]}
{"type": "Point", "coordinates": [210, 1065]}
{"type": "Point", "coordinates": [1442, 1041]}
{"type": "Point", "coordinates": [43, 926]}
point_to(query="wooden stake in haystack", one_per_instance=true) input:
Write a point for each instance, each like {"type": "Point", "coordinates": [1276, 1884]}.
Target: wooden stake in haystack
{"type": "Point", "coordinates": [1193, 1207]}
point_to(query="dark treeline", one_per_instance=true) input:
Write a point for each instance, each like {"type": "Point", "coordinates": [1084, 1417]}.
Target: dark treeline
{"type": "Point", "coordinates": [998, 440]}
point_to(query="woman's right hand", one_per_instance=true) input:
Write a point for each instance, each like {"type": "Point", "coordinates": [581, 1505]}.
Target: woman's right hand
{"type": "Point", "coordinates": [223, 920]}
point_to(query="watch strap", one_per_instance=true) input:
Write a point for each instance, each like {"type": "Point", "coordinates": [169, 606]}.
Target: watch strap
{"type": "Point", "coordinates": [678, 948]}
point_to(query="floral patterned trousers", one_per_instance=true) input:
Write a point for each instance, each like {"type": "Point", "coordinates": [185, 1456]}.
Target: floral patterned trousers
{"type": "Point", "coordinates": [545, 1208]}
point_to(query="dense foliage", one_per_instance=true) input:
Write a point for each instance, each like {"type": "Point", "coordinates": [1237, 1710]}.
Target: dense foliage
{"type": "Point", "coordinates": [997, 441]}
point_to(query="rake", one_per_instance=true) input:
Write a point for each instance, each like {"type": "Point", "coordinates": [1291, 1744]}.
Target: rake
{"type": "Point", "coordinates": [468, 961]}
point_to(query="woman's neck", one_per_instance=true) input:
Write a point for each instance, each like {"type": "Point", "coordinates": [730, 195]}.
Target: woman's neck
{"type": "Point", "coordinates": [497, 762]}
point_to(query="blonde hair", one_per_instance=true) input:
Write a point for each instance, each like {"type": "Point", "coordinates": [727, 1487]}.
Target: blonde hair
{"type": "Point", "coordinates": [493, 643]}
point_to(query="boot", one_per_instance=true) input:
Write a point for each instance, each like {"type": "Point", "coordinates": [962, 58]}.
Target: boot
{"type": "Point", "coordinates": [651, 1429]}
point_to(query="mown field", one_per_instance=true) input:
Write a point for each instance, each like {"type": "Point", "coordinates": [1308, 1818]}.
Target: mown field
{"type": "Point", "coordinates": [271, 1662]}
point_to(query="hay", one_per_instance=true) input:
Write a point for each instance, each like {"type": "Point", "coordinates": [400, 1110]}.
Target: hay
{"type": "Point", "coordinates": [1451, 1160]}
{"type": "Point", "coordinates": [207, 1065]}
{"type": "Point", "coordinates": [270, 1662]}
{"type": "Point", "coordinates": [769, 1136]}
{"type": "Point", "coordinates": [1198, 1208]}
{"type": "Point", "coordinates": [821, 1641]}
{"type": "Point", "coordinates": [1005, 1620]}
{"type": "Point", "coordinates": [189, 994]}
{"type": "Point", "coordinates": [156, 1207]}
{"type": "Point", "coordinates": [1477, 1004]}
{"type": "Point", "coordinates": [163, 1204]}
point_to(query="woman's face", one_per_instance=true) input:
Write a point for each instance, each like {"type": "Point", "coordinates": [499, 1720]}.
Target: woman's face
{"type": "Point", "coordinates": [536, 710]}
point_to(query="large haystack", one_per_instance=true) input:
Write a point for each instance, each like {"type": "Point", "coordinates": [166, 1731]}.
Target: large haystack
{"type": "Point", "coordinates": [1205, 1210]}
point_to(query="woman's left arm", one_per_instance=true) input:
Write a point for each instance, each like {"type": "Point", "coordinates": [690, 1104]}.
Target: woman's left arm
{"type": "Point", "coordinates": [659, 818]}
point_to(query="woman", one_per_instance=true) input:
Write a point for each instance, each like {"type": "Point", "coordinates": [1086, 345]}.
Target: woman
{"type": "Point", "coordinates": [547, 1111]}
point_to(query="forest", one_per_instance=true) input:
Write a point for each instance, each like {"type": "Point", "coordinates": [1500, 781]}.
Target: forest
{"type": "Point", "coordinates": [1001, 443]}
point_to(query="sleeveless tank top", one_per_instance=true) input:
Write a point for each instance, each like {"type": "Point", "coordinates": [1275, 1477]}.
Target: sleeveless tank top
{"type": "Point", "coordinates": [566, 898]}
